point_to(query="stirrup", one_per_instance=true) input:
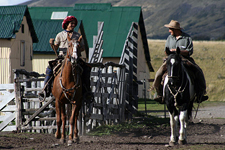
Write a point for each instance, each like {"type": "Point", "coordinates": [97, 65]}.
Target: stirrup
{"type": "Point", "coordinates": [42, 96]}
{"type": "Point", "coordinates": [203, 98]}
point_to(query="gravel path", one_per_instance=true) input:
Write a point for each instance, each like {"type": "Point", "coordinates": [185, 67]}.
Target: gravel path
{"type": "Point", "coordinates": [211, 112]}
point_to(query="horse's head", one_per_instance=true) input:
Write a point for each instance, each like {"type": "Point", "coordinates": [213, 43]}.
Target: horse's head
{"type": "Point", "coordinates": [173, 66]}
{"type": "Point", "coordinates": [72, 51]}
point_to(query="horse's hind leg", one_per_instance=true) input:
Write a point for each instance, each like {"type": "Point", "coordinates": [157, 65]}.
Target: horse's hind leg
{"type": "Point", "coordinates": [183, 127]}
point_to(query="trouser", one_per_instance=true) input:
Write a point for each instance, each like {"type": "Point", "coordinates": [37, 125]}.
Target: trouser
{"type": "Point", "coordinates": [48, 80]}
{"type": "Point", "coordinates": [189, 63]}
{"type": "Point", "coordinates": [158, 79]}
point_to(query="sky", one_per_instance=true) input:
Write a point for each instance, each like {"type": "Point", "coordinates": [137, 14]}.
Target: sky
{"type": "Point", "coordinates": [11, 2]}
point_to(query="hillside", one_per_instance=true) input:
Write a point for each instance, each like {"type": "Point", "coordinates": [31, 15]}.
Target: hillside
{"type": "Point", "coordinates": [202, 19]}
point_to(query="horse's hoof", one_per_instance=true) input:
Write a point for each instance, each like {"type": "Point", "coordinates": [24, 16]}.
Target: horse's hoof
{"type": "Point", "coordinates": [62, 141]}
{"type": "Point", "coordinates": [76, 139]}
{"type": "Point", "coordinates": [70, 142]}
{"type": "Point", "coordinates": [182, 142]}
{"type": "Point", "coordinates": [171, 143]}
{"type": "Point", "coordinates": [57, 136]}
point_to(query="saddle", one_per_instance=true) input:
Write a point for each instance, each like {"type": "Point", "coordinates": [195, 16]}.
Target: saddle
{"type": "Point", "coordinates": [56, 65]}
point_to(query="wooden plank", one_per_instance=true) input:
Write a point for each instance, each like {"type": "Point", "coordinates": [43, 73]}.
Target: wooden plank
{"type": "Point", "coordinates": [5, 99]}
{"type": "Point", "coordinates": [39, 111]}
{"type": "Point", "coordinates": [33, 89]}
{"type": "Point", "coordinates": [114, 116]}
{"type": "Point", "coordinates": [97, 105]}
{"type": "Point", "coordinates": [9, 108]}
{"type": "Point", "coordinates": [113, 106]}
{"type": "Point", "coordinates": [96, 116]}
{"type": "Point", "coordinates": [8, 119]}
{"type": "Point", "coordinates": [9, 128]}
{"type": "Point", "coordinates": [40, 127]}
{"type": "Point", "coordinates": [7, 86]}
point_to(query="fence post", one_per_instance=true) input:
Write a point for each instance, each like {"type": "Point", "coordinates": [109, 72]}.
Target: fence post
{"type": "Point", "coordinates": [18, 101]}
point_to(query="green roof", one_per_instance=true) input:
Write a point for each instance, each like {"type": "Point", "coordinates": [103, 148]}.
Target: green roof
{"type": "Point", "coordinates": [117, 22]}
{"type": "Point", "coordinates": [11, 18]}
{"type": "Point", "coordinates": [47, 29]}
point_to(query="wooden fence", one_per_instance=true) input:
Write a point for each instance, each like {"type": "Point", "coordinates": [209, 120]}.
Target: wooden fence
{"type": "Point", "coordinates": [114, 87]}
{"type": "Point", "coordinates": [23, 108]}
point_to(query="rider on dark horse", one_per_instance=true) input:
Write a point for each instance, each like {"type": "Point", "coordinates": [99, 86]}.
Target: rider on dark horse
{"type": "Point", "coordinates": [178, 38]}
{"type": "Point", "coordinates": [61, 43]}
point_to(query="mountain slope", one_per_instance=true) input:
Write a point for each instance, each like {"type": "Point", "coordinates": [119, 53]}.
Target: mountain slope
{"type": "Point", "coordinates": [202, 19]}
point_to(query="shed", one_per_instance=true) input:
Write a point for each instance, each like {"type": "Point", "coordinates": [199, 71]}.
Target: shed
{"type": "Point", "coordinates": [117, 22]}
{"type": "Point", "coordinates": [17, 36]}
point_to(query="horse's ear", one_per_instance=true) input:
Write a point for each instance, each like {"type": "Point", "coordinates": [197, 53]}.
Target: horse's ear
{"type": "Point", "coordinates": [178, 50]}
{"type": "Point", "coordinates": [168, 52]}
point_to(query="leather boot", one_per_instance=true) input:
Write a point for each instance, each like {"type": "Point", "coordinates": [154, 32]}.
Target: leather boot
{"type": "Point", "coordinates": [159, 98]}
{"type": "Point", "coordinates": [201, 98]}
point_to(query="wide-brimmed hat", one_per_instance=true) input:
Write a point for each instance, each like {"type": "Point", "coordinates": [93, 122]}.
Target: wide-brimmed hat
{"type": "Point", "coordinates": [173, 24]}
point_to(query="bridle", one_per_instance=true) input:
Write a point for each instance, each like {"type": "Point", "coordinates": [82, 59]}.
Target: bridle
{"type": "Point", "coordinates": [77, 70]}
{"type": "Point", "coordinates": [183, 84]}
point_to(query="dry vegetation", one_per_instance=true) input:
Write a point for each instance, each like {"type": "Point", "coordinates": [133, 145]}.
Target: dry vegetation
{"type": "Point", "coordinates": [209, 55]}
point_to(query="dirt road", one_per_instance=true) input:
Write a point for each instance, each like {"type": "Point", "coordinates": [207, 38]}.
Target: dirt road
{"type": "Point", "coordinates": [207, 131]}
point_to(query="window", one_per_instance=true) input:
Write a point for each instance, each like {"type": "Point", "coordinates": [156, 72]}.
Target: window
{"type": "Point", "coordinates": [22, 53]}
{"type": "Point", "coordinates": [31, 53]}
{"type": "Point", "coordinates": [59, 15]}
{"type": "Point", "coordinates": [22, 28]}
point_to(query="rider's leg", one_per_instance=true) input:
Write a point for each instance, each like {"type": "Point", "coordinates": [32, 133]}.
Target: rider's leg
{"type": "Point", "coordinates": [47, 82]}
{"type": "Point", "coordinates": [157, 83]}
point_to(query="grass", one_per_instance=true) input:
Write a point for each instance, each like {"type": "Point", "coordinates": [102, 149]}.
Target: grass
{"type": "Point", "coordinates": [209, 55]}
{"type": "Point", "coordinates": [137, 123]}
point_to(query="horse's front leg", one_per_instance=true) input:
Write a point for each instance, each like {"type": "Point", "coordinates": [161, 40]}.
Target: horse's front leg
{"type": "Point", "coordinates": [183, 127]}
{"type": "Point", "coordinates": [76, 137]}
{"type": "Point", "coordinates": [63, 117]}
{"type": "Point", "coordinates": [173, 125]}
{"type": "Point", "coordinates": [70, 141]}
{"type": "Point", "coordinates": [58, 120]}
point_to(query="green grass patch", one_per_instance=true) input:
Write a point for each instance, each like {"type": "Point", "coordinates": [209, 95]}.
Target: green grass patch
{"type": "Point", "coordinates": [150, 105]}
{"type": "Point", "coordinates": [126, 127]}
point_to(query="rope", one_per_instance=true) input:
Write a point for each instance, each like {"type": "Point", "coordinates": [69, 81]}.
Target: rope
{"type": "Point", "coordinates": [179, 90]}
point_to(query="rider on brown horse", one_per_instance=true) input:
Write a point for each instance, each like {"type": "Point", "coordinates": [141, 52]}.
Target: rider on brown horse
{"type": "Point", "coordinates": [61, 43]}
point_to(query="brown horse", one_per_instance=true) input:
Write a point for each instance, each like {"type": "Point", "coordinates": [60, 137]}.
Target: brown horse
{"type": "Point", "coordinates": [67, 89]}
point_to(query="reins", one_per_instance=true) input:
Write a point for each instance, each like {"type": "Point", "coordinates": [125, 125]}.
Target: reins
{"type": "Point", "coordinates": [76, 77]}
{"type": "Point", "coordinates": [76, 86]}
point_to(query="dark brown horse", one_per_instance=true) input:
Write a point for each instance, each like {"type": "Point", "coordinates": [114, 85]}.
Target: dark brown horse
{"type": "Point", "coordinates": [67, 89]}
